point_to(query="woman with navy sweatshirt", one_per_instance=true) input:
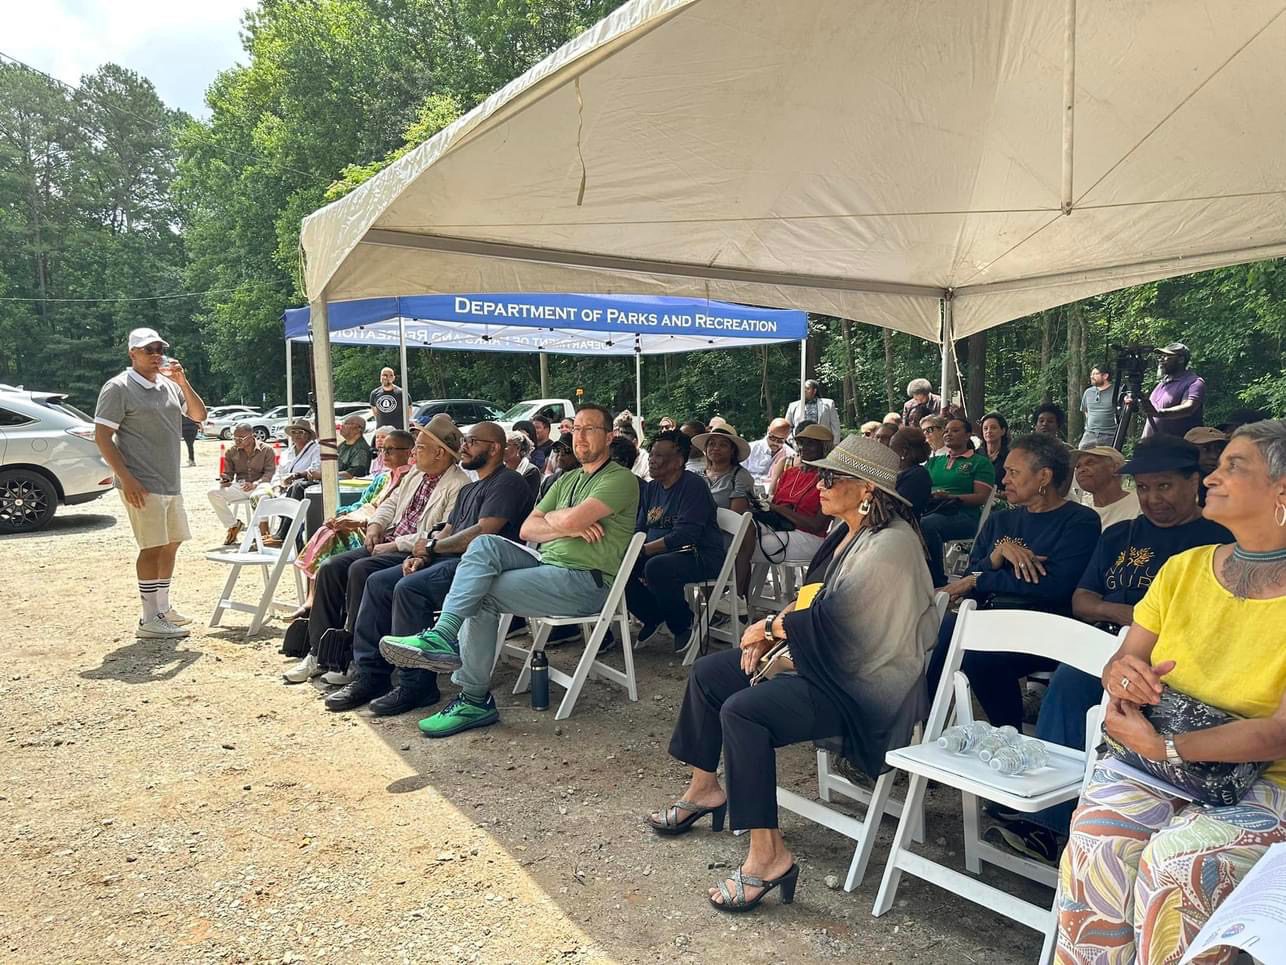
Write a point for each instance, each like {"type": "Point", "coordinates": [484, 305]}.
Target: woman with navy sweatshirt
{"type": "Point", "coordinates": [1029, 558]}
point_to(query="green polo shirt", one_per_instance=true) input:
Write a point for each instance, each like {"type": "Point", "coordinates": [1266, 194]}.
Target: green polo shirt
{"type": "Point", "coordinates": [957, 474]}
{"type": "Point", "coordinates": [613, 485]}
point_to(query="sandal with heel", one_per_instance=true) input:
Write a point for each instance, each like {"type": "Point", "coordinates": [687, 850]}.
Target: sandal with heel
{"type": "Point", "coordinates": [671, 824]}
{"type": "Point", "coordinates": [737, 903]}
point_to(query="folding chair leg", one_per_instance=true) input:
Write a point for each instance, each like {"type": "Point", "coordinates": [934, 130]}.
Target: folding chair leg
{"type": "Point", "coordinates": [583, 667]}
{"type": "Point", "coordinates": [502, 631]}
{"type": "Point", "coordinates": [969, 804]}
{"type": "Point", "coordinates": [623, 623]}
{"type": "Point", "coordinates": [874, 815]}
{"type": "Point", "coordinates": [892, 872]}
{"type": "Point", "coordinates": [1051, 933]}
{"type": "Point", "coordinates": [226, 595]}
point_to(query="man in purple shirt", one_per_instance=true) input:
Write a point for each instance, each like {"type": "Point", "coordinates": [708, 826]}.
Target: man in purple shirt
{"type": "Point", "coordinates": [1176, 404]}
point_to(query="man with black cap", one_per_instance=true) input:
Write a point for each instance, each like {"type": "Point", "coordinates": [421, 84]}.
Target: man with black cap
{"type": "Point", "coordinates": [1178, 401]}
{"type": "Point", "coordinates": [404, 600]}
{"type": "Point", "coordinates": [1126, 561]}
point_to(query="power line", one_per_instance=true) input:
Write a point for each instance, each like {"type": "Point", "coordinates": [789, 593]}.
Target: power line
{"type": "Point", "coordinates": [205, 132]}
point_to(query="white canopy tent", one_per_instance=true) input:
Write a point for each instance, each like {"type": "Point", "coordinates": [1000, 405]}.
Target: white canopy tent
{"type": "Point", "coordinates": [936, 167]}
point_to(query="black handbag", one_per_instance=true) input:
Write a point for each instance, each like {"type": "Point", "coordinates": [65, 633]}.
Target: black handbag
{"type": "Point", "coordinates": [295, 643]}
{"type": "Point", "coordinates": [772, 519]}
{"type": "Point", "coordinates": [1209, 782]}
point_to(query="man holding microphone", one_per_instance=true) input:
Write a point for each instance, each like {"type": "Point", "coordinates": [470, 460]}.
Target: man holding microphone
{"type": "Point", "coordinates": [138, 429]}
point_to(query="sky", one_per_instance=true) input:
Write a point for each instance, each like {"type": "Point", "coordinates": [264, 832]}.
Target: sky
{"type": "Point", "coordinates": [180, 46]}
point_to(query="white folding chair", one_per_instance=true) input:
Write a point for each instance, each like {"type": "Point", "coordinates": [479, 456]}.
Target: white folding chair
{"type": "Point", "coordinates": [955, 552]}
{"type": "Point", "coordinates": [272, 562]}
{"type": "Point", "coordinates": [721, 592]}
{"type": "Point", "coordinates": [1013, 631]}
{"type": "Point", "coordinates": [878, 801]}
{"type": "Point", "coordinates": [594, 628]}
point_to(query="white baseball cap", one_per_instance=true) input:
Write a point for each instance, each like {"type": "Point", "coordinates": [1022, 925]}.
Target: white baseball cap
{"type": "Point", "coordinates": [145, 336]}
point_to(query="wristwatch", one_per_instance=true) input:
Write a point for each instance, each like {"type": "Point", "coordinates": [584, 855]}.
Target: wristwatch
{"type": "Point", "coordinates": [768, 622]}
{"type": "Point", "coordinates": [1172, 755]}
{"type": "Point", "coordinates": [431, 548]}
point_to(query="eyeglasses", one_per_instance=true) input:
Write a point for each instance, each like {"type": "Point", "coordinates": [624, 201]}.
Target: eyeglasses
{"type": "Point", "coordinates": [474, 441]}
{"type": "Point", "coordinates": [781, 439]}
{"type": "Point", "coordinates": [153, 349]}
{"type": "Point", "coordinates": [396, 448]}
{"type": "Point", "coordinates": [581, 430]}
{"type": "Point", "coordinates": [828, 477]}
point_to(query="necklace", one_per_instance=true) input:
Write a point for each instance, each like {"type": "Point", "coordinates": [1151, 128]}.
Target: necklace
{"type": "Point", "coordinates": [1249, 572]}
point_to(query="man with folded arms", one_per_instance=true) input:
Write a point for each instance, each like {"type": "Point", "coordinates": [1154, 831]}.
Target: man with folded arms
{"type": "Point", "coordinates": [584, 525]}
{"type": "Point", "coordinates": [354, 451]}
{"type": "Point", "coordinates": [248, 468]}
{"type": "Point", "coordinates": [404, 600]}
{"type": "Point", "coordinates": [425, 497]}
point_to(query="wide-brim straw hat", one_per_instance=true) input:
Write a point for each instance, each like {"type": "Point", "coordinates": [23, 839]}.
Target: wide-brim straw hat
{"type": "Point", "coordinates": [742, 446]}
{"type": "Point", "coordinates": [303, 425]}
{"type": "Point", "coordinates": [445, 434]}
{"type": "Point", "coordinates": [866, 459]}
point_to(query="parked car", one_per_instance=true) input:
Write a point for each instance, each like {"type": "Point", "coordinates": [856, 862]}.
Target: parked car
{"type": "Point", "coordinates": [555, 410]}
{"type": "Point", "coordinates": [273, 422]}
{"type": "Point", "coordinates": [344, 409]}
{"type": "Point", "coordinates": [220, 419]}
{"type": "Point", "coordinates": [463, 412]}
{"type": "Point", "coordinates": [47, 456]}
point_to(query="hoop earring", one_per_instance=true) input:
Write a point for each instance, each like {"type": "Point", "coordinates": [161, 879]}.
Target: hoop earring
{"type": "Point", "coordinates": [1280, 514]}
{"type": "Point", "coordinates": [864, 507]}
{"type": "Point", "coordinates": [1041, 491]}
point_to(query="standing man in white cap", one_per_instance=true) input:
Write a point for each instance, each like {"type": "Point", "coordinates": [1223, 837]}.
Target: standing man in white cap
{"type": "Point", "coordinates": [138, 429]}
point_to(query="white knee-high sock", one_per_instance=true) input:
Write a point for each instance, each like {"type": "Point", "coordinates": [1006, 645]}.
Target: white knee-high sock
{"type": "Point", "coordinates": [162, 596]}
{"type": "Point", "coordinates": [147, 592]}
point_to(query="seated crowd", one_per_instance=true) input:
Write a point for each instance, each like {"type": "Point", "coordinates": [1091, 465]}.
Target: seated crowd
{"type": "Point", "coordinates": [1184, 543]}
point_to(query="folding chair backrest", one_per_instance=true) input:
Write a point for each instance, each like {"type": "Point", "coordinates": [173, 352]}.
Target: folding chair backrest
{"type": "Point", "coordinates": [736, 525]}
{"type": "Point", "coordinates": [986, 511]}
{"type": "Point", "coordinates": [623, 573]}
{"type": "Point", "coordinates": [271, 506]}
{"type": "Point", "coordinates": [1057, 638]}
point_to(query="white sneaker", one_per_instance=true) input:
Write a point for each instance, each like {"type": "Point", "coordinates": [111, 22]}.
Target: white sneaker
{"type": "Point", "coordinates": [337, 679]}
{"type": "Point", "coordinates": [174, 616]}
{"type": "Point", "coordinates": [158, 628]}
{"type": "Point", "coordinates": [306, 669]}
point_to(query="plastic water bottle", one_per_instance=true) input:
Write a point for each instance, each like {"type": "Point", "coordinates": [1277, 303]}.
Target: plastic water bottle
{"type": "Point", "coordinates": [1019, 758]}
{"type": "Point", "coordinates": [539, 681]}
{"type": "Point", "coordinates": [996, 740]}
{"type": "Point", "coordinates": [962, 738]}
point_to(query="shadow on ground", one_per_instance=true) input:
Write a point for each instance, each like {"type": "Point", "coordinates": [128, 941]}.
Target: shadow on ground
{"type": "Point", "coordinates": [67, 525]}
{"type": "Point", "coordinates": [145, 662]}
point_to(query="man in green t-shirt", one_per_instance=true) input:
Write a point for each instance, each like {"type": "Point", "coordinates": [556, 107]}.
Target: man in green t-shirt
{"type": "Point", "coordinates": [584, 524]}
{"type": "Point", "coordinates": [963, 481]}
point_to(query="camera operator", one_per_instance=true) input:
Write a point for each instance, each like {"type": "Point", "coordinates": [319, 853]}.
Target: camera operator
{"type": "Point", "coordinates": [1177, 403]}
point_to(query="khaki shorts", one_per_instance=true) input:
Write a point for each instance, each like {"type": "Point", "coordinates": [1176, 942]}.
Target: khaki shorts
{"type": "Point", "coordinates": [162, 520]}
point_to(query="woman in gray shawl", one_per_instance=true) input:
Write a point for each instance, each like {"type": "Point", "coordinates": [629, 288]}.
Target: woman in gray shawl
{"type": "Point", "coordinates": [857, 634]}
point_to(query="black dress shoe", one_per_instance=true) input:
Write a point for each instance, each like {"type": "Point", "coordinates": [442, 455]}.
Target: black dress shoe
{"type": "Point", "coordinates": [401, 699]}
{"type": "Point", "coordinates": [360, 691]}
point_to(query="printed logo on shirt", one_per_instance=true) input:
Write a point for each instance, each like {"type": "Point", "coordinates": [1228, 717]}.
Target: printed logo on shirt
{"type": "Point", "coordinates": [1131, 570]}
{"type": "Point", "coordinates": [387, 403]}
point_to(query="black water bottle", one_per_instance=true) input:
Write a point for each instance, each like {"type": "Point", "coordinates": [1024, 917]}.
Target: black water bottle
{"type": "Point", "coordinates": [539, 681]}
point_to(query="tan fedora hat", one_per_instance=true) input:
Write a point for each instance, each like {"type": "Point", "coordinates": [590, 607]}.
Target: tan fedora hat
{"type": "Point", "coordinates": [444, 433]}
{"type": "Point", "coordinates": [866, 459]}
{"type": "Point", "coordinates": [303, 425]}
{"type": "Point", "coordinates": [726, 432]}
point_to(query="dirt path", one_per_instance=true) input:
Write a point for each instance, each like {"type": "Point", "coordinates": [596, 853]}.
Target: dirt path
{"type": "Point", "coordinates": [180, 804]}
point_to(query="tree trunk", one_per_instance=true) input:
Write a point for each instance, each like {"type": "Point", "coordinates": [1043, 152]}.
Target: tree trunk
{"type": "Point", "coordinates": [890, 391]}
{"type": "Point", "coordinates": [1046, 349]}
{"type": "Point", "coordinates": [1076, 350]}
{"type": "Point", "coordinates": [976, 375]}
{"type": "Point", "coordinates": [850, 383]}
{"type": "Point", "coordinates": [765, 384]}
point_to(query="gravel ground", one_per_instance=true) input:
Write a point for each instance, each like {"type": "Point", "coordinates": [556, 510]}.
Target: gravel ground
{"type": "Point", "coordinates": [178, 803]}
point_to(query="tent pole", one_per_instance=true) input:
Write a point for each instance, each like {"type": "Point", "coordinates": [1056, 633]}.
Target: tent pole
{"type": "Point", "coordinates": [290, 384]}
{"type": "Point", "coordinates": [803, 372]}
{"type": "Point", "coordinates": [544, 375]}
{"type": "Point", "coordinates": [325, 395]}
{"type": "Point", "coordinates": [1069, 102]}
{"type": "Point", "coordinates": [638, 384]}
{"type": "Point", "coordinates": [947, 383]}
{"type": "Point", "coordinates": [406, 386]}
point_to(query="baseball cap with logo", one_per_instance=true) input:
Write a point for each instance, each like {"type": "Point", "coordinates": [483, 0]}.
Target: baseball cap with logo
{"type": "Point", "coordinates": [146, 336]}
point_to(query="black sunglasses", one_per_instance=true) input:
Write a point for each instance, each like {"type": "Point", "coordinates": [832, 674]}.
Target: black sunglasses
{"type": "Point", "coordinates": [827, 477]}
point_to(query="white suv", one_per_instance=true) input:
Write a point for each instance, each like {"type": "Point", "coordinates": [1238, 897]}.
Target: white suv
{"type": "Point", "coordinates": [47, 456]}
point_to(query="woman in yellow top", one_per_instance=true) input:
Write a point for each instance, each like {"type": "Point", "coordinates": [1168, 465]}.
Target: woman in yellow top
{"type": "Point", "coordinates": [1143, 871]}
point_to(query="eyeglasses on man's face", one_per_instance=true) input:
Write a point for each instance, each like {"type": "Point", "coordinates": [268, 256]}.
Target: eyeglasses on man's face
{"type": "Point", "coordinates": [584, 430]}
{"type": "Point", "coordinates": [154, 349]}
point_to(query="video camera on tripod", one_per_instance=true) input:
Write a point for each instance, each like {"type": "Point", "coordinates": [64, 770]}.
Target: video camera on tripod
{"type": "Point", "coordinates": [1130, 366]}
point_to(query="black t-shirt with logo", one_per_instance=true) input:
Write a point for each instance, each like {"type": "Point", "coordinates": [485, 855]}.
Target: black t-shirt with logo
{"type": "Point", "coordinates": [1130, 553]}
{"type": "Point", "coordinates": [390, 409]}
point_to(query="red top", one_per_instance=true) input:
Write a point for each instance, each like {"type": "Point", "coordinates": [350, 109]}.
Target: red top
{"type": "Point", "coordinates": [797, 490]}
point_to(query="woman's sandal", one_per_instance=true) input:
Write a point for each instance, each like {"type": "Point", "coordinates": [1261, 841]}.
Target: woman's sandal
{"type": "Point", "coordinates": [671, 825]}
{"type": "Point", "coordinates": [737, 903]}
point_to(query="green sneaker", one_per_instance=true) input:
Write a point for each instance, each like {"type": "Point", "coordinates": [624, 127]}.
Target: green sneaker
{"type": "Point", "coordinates": [461, 714]}
{"type": "Point", "coordinates": [421, 651]}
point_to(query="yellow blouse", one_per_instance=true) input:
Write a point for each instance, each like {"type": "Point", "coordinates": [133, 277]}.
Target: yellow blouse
{"type": "Point", "coordinates": [1228, 653]}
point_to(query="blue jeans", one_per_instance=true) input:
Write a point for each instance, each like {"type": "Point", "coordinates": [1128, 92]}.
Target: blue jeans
{"type": "Point", "coordinates": [497, 576]}
{"type": "Point", "coordinates": [1062, 720]}
{"type": "Point", "coordinates": [401, 605]}
{"type": "Point", "coordinates": [937, 529]}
